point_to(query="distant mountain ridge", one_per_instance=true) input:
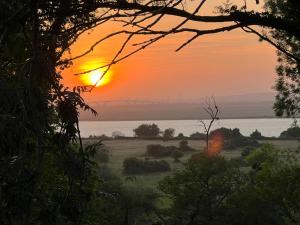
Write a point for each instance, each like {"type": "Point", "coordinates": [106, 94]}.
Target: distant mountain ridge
{"type": "Point", "coordinates": [257, 105]}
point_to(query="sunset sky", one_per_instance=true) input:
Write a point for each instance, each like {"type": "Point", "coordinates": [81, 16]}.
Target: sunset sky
{"type": "Point", "coordinates": [229, 63]}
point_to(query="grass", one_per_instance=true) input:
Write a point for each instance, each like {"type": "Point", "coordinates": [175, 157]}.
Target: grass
{"type": "Point", "coordinates": [121, 149]}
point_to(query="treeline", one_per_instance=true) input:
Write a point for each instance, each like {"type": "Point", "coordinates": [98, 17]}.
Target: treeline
{"type": "Point", "coordinates": [152, 131]}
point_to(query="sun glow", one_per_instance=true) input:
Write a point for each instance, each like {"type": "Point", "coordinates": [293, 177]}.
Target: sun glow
{"type": "Point", "coordinates": [94, 77]}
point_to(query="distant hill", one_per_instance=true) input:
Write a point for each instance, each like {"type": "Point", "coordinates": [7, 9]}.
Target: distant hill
{"type": "Point", "coordinates": [258, 105]}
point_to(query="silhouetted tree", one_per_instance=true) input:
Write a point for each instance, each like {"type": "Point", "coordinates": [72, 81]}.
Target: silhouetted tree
{"type": "Point", "coordinates": [212, 110]}
{"type": "Point", "coordinates": [168, 134]}
{"type": "Point", "coordinates": [256, 135]}
{"type": "Point", "coordinates": [147, 130]}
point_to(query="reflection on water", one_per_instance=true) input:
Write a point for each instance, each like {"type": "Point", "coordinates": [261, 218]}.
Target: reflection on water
{"type": "Point", "coordinates": [268, 127]}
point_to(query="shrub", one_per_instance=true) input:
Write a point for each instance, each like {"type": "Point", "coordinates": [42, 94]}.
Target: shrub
{"type": "Point", "coordinates": [147, 130]}
{"type": "Point", "coordinates": [168, 134]}
{"type": "Point", "coordinates": [134, 165]}
{"type": "Point", "coordinates": [227, 133]}
{"type": "Point", "coordinates": [240, 142]}
{"type": "Point", "coordinates": [157, 150]}
{"type": "Point", "coordinates": [197, 135]}
{"type": "Point", "coordinates": [292, 132]}
{"type": "Point", "coordinates": [103, 155]}
{"type": "Point", "coordinates": [184, 146]}
{"type": "Point", "coordinates": [247, 150]}
{"type": "Point", "coordinates": [180, 136]}
{"type": "Point", "coordinates": [256, 135]}
{"type": "Point", "coordinates": [117, 134]}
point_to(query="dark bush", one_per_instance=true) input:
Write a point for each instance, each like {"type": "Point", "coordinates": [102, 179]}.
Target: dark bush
{"type": "Point", "coordinates": [147, 130]}
{"type": "Point", "coordinates": [103, 155]}
{"type": "Point", "coordinates": [184, 146]}
{"type": "Point", "coordinates": [256, 135]}
{"type": "Point", "coordinates": [240, 142]}
{"type": "Point", "coordinates": [168, 134]}
{"type": "Point", "coordinates": [227, 133]}
{"type": "Point", "coordinates": [247, 150]}
{"type": "Point", "coordinates": [292, 132]}
{"type": "Point", "coordinates": [197, 135]}
{"type": "Point", "coordinates": [157, 150]}
{"type": "Point", "coordinates": [136, 166]}
{"type": "Point", "coordinates": [180, 136]}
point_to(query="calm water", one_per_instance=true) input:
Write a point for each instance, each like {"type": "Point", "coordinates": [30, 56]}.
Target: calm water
{"type": "Point", "coordinates": [268, 127]}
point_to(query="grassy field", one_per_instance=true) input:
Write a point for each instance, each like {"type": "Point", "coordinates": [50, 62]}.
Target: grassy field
{"type": "Point", "coordinates": [121, 149]}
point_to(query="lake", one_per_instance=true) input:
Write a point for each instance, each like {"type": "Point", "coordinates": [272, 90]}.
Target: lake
{"type": "Point", "coordinates": [268, 127]}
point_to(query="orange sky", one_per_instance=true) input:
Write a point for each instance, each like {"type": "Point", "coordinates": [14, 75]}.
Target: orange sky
{"type": "Point", "coordinates": [222, 64]}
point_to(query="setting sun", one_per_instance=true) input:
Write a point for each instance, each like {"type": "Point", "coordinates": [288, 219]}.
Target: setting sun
{"type": "Point", "coordinates": [94, 77]}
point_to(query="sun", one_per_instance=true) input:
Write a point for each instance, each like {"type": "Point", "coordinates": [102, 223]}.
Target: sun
{"type": "Point", "coordinates": [94, 77]}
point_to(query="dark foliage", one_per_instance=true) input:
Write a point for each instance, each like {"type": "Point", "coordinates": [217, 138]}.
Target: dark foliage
{"type": "Point", "coordinates": [102, 155]}
{"type": "Point", "coordinates": [157, 150]}
{"type": "Point", "coordinates": [292, 132]}
{"type": "Point", "coordinates": [256, 135]}
{"type": "Point", "coordinates": [180, 136]}
{"type": "Point", "coordinates": [288, 69]}
{"type": "Point", "coordinates": [138, 166]}
{"type": "Point", "coordinates": [226, 133]}
{"type": "Point", "coordinates": [168, 134]}
{"type": "Point", "coordinates": [198, 135]}
{"type": "Point", "coordinates": [184, 146]}
{"type": "Point", "coordinates": [147, 131]}
{"type": "Point", "coordinates": [247, 150]}
{"type": "Point", "coordinates": [240, 142]}
{"type": "Point", "coordinates": [212, 190]}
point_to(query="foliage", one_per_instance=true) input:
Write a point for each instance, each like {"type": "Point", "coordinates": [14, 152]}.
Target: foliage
{"type": "Point", "coordinates": [256, 135]}
{"type": "Point", "coordinates": [197, 135]}
{"type": "Point", "coordinates": [147, 130]}
{"type": "Point", "coordinates": [184, 146]}
{"type": "Point", "coordinates": [291, 132]}
{"type": "Point", "coordinates": [180, 136]}
{"type": "Point", "coordinates": [117, 134]}
{"type": "Point", "coordinates": [212, 190]}
{"type": "Point", "coordinates": [240, 142]}
{"type": "Point", "coordinates": [200, 191]}
{"type": "Point", "coordinates": [226, 133]}
{"type": "Point", "coordinates": [102, 155]}
{"type": "Point", "coordinates": [157, 150]}
{"type": "Point", "coordinates": [138, 166]}
{"type": "Point", "coordinates": [168, 134]}
{"type": "Point", "coordinates": [272, 194]}
{"type": "Point", "coordinates": [123, 203]}
{"type": "Point", "coordinates": [288, 69]}
{"type": "Point", "coordinates": [247, 150]}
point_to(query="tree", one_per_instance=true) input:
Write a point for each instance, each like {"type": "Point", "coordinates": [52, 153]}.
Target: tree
{"type": "Point", "coordinates": [256, 135]}
{"type": "Point", "coordinates": [211, 190]}
{"type": "Point", "coordinates": [168, 134]}
{"type": "Point", "coordinates": [272, 195]}
{"type": "Point", "coordinates": [180, 136]}
{"type": "Point", "coordinates": [147, 130]}
{"type": "Point", "coordinates": [288, 69]}
{"type": "Point", "coordinates": [201, 190]}
{"type": "Point", "coordinates": [291, 132]}
{"type": "Point", "coordinates": [213, 112]}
